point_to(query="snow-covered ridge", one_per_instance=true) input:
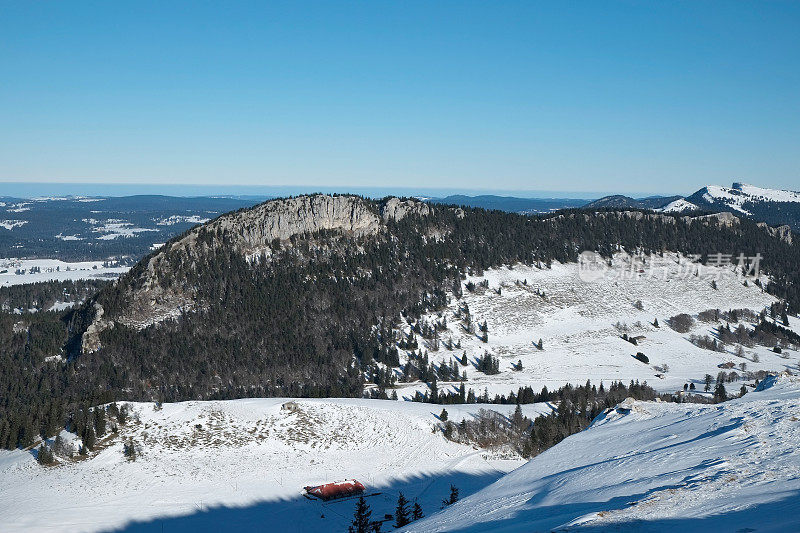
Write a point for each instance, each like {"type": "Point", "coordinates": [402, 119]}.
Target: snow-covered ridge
{"type": "Point", "coordinates": [655, 467]}
{"type": "Point", "coordinates": [740, 193]}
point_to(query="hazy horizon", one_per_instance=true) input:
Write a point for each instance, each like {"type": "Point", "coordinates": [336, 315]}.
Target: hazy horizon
{"type": "Point", "coordinates": [21, 189]}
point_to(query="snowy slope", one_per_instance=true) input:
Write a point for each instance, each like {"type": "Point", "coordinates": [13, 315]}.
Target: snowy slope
{"type": "Point", "coordinates": [577, 320]}
{"type": "Point", "coordinates": [657, 467]}
{"type": "Point", "coordinates": [677, 206]}
{"type": "Point", "coordinates": [246, 464]}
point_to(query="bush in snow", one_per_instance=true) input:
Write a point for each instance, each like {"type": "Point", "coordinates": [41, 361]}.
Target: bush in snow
{"type": "Point", "coordinates": [681, 323]}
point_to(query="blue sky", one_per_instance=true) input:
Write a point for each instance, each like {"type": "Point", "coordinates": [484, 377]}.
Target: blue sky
{"type": "Point", "coordinates": [631, 97]}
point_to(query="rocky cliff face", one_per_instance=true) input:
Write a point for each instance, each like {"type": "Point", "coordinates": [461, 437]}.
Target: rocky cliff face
{"type": "Point", "coordinates": [252, 233]}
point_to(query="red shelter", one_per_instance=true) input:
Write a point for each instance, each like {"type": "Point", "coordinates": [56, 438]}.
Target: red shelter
{"type": "Point", "coordinates": [339, 489]}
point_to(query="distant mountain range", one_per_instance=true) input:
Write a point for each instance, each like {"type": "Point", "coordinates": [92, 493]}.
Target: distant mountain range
{"type": "Point", "coordinates": [528, 206]}
{"type": "Point", "coordinates": [774, 206]}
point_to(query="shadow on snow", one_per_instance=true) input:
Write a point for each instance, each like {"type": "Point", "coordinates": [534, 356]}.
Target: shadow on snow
{"type": "Point", "coordinates": [298, 514]}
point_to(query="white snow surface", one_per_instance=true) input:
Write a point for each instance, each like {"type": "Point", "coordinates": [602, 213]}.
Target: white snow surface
{"type": "Point", "coordinates": [677, 206]}
{"type": "Point", "coordinates": [245, 466]}
{"type": "Point", "coordinates": [177, 219]}
{"type": "Point", "coordinates": [53, 269]}
{"type": "Point", "coordinates": [658, 467]}
{"type": "Point", "coordinates": [11, 224]}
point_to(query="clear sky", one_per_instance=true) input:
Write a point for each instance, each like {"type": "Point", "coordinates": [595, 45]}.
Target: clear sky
{"type": "Point", "coordinates": [630, 97]}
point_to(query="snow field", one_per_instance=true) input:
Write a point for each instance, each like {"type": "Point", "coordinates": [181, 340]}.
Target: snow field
{"type": "Point", "coordinates": [576, 322]}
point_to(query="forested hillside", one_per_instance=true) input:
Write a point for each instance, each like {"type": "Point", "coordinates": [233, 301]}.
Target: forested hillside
{"type": "Point", "coordinates": [227, 311]}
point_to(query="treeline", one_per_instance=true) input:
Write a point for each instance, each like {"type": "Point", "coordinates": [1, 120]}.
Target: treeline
{"type": "Point", "coordinates": [576, 407]}
{"type": "Point", "coordinates": [43, 295]}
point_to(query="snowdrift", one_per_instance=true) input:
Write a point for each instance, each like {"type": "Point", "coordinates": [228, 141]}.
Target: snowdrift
{"type": "Point", "coordinates": [655, 467]}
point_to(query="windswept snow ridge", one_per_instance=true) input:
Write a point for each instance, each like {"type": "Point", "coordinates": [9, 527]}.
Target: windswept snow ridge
{"type": "Point", "coordinates": [655, 467]}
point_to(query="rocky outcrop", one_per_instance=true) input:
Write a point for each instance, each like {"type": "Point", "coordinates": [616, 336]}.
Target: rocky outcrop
{"type": "Point", "coordinates": [253, 233]}
{"type": "Point", "coordinates": [90, 341]}
{"type": "Point", "coordinates": [397, 209]}
{"type": "Point", "coordinates": [783, 233]}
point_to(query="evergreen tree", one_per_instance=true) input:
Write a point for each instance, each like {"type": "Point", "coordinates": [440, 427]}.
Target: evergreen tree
{"type": "Point", "coordinates": [416, 512]}
{"type": "Point", "coordinates": [45, 455]}
{"type": "Point", "coordinates": [708, 378]}
{"type": "Point", "coordinates": [443, 415]}
{"type": "Point", "coordinates": [401, 513]}
{"type": "Point", "coordinates": [360, 523]}
{"type": "Point", "coordinates": [519, 419]}
{"type": "Point", "coordinates": [99, 421]}
{"type": "Point", "coordinates": [88, 438]}
{"type": "Point", "coordinates": [453, 498]}
{"type": "Point", "coordinates": [720, 395]}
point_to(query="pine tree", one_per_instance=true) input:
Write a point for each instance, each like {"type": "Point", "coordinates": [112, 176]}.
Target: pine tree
{"type": "Point", "coordinates": [655, 323]}
{"type": "Point", "coordinates": [443, 415]}
{"type": "Point", "coordinates": [519, 419]}
{"type": "Point", "coordinates": [88, 438]}
{"type": "Point", "coordinates": [44, 455]}
{"type": "Point", "coordinates": [401, 512]}
{"type": "Point", "coordinates": [416, 512]}
{"type": "Point", "coordinates": [720, 395]}
{"type": "Point", "coordinates": [464, 360]}
{"type": "Point", "coordinates": [99, 421]}
{"type": "Point", "coordinates": [453, 498]}
{"type": "Point", "coordinates": [540, 345]}
{"type": "Point", "coordinates": [360, 523]}
{"type": "Point", "coordinates": [708, 379]}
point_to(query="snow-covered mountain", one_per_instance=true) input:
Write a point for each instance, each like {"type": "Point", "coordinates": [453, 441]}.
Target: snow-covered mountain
{"type": "Point", "coordinates": [655, 467]}
{"type": "Point", "coordinates": [740, 194]}
{"type": "Point", "coordinates": [773, 206]}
